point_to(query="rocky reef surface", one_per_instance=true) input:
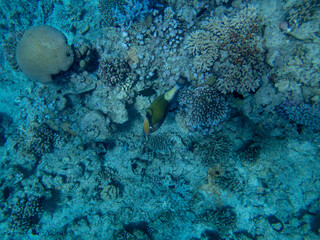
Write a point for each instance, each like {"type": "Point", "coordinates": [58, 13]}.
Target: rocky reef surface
{"type": "Point", "coordinates": [237, 156]}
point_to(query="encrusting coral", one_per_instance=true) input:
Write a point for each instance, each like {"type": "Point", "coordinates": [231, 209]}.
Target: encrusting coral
{"type": "Point", "coordinates": [43, 52]}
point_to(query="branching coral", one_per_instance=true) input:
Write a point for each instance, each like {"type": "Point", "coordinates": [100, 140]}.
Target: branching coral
{"type": "Point", "coordinates": [113, 71]}
{"type": "Point", "coordinates": [9, 47]}
{"type": "Point", "coordinates": [133, 10]}
{"type": "Point", "coordinates": [160, 143]}
{"type": "Point", "coordinates": [26, 214]}
{"type": "Point", "coordinates": [204, 108]}
{"type": "Point", "coordinates": [302, 11]}
{"type": "Point", "coordinates": [123, 12]}
{"type": "Point", "coordinates": [303, 113]}
{"type": "Point", "coordinates": [106, 7]}
{"type": "Point", "coordinates": [232, 47]}
{"type": "Point", "coordinates": [40, 139]}
{"type": "Point", "coordinates": [222, 217]}
{"type": "Point", "coordinates": [213, 150]}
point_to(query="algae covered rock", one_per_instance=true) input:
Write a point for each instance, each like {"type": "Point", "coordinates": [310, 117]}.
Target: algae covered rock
{"type": "Point", "coordinates": [43, 52]}
{"type": "Point", "coordinates": [94, 126]}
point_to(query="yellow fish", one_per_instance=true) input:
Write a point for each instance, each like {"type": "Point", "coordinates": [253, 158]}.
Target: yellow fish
{"type": "Point", "coordinates": [156, 113]}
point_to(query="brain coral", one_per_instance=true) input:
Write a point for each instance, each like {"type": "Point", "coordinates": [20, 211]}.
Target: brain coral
{"type": "Point", "coordinates": [42, 52]}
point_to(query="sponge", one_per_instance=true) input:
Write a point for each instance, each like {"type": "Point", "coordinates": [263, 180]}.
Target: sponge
{"type": "Point", "coordinates": [43, 52]}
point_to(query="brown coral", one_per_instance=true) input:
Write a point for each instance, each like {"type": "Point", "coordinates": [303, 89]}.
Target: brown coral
{"type": "Point", "coordinates": [232, 48]}
{"type": "Point", "coordinates": [43, 52]}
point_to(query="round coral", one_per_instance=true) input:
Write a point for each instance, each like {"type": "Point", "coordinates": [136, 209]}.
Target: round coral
{"type": "Point", "coordinates": [42, 52]}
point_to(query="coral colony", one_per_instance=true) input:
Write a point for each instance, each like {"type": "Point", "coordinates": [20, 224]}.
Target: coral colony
{"type": "Point", "coordinates": [159, 119]}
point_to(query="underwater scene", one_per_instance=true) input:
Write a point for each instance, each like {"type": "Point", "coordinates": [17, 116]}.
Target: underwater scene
{"type": "Point", "coordinates": [160, 120]}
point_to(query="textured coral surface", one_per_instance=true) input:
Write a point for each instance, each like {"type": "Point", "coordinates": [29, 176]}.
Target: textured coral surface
{"type": "Point", "coordinates": [237, 156]}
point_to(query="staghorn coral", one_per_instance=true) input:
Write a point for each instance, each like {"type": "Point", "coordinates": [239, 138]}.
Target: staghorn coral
{"type": "Point", "coordinates": [232, 48]}
{"type": "Point", "coordinates": [42, 52]}
{"type": "Point", "coordinates": [123, 12]}
{"type": "Point", "coordinates": [303, 19]}
{"type": "Point", "coordinates": [201, 44]}
{"type": "Point", "coordinates": [204, 108]}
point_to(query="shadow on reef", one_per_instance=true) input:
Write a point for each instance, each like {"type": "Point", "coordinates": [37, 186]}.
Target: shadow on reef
{"type": "Point", "coordinates": [4, 121]}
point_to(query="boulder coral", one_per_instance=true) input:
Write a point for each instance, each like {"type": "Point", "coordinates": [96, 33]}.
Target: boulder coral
{"type": "Point", "coordinates": [43, 52]}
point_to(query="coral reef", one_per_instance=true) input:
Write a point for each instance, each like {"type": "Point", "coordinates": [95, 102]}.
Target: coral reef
{"type": "Point", "coordinates": [301, 11]}
{"type": "Point", "coordinates": [114, 71]}
{"type": "Point", "coordinates": [85, 57]}
{"type": "Point", "coordinates": [230, 181]}
{"type": "Point", "coordinates": [75, 163]}
{"type": "Point", "coordinates": [42, 52]}
{"type": "Point", "coordinates": [220, 218]}
{"type": "Point", "coordinates": [160, 143]}
{"type": "Point", "coordinates": [297, 79]}
{"type": "Point", "coordinates": [304, 114]}
{"type": "Point", "coordinates": [124, 12]}
{"type": "Point", "coordinates": [40, 139]}
{"type": "Point", "coordinates": [95, 126]}
{"type": "Point", "coordinates": [107, 7]}
{"type": "Point", "coordinates": [26, 213]}
{"type": "Point", "coordinates": [303, 19]}
{"type": "Point", "coordinates": [9, 47]}
{"type": "Point", "coordinates": [232, 47]}
{"type": "Point", "coordinates": [213, 150]}
{"type": "Point", "coordinates": [133, 10]}
{"type": "Point", "coordinates": [251, 153]}
{"type": "Point", "coordinates": [204, 108]}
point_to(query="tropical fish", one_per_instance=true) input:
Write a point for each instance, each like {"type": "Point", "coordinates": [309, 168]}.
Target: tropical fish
{"type": "Point", "coordinates": [156, 113]}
